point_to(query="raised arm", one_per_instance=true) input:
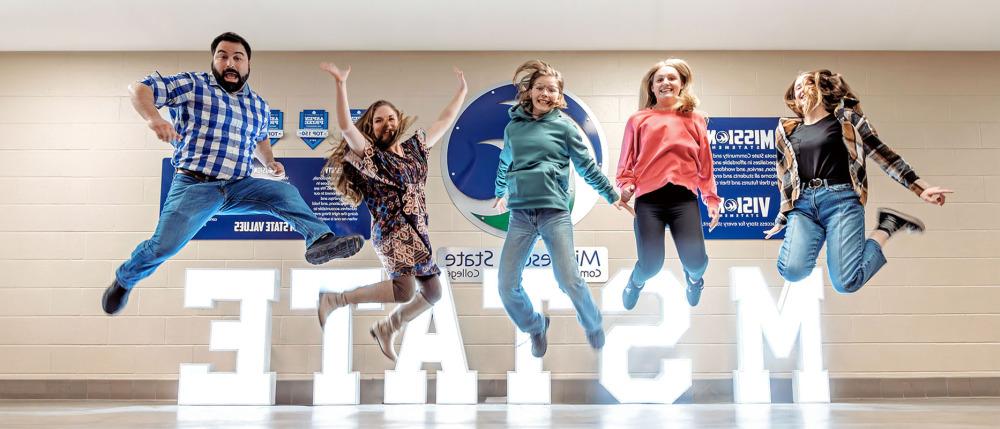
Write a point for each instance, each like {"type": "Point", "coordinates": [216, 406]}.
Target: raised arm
{"type": "Point", "coordinates": [355, 140]}
{"type": "Point", "coordinates": [450, 112]}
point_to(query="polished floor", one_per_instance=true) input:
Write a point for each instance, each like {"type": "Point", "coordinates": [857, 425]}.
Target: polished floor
{"type": "Point", "coordinates": [911, 413]}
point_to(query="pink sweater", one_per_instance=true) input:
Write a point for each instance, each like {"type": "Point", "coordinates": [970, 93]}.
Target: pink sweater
{"type": "Point", "coordinates": [663, 147]}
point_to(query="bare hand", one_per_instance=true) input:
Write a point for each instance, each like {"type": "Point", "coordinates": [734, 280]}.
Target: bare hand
{"type": "Point", "coordinates": [338, 74]}
{"type": "Point", "coordinates": [462, 85]}
{"type": "Point", "coordinates": [501, 204]}
{"type": "Point", "coordinates": [770, 233]}
{"type": "Point", "coordinates": [935, 195]}
{"type": "Point", "coordinates": [276, 168]}
{"type": "Point", "coordinates": [622, 205]}
{"type": "Point", "coordinates": [626, 192]}
{"type": "Point", "coordinates": [714, 213]}
{"type": "Point", "coordinates": [164, 130]}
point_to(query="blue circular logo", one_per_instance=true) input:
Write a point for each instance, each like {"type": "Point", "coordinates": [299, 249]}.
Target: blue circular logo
{"type": "Point", "coordinates": [730, 205]}
{"type": "Point", "coordinates": [471, 155]}
{"type": "Point", "coordinates": [722, 137]}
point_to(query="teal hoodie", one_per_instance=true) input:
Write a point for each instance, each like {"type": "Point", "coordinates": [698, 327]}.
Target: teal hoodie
{"type": "Point", "coordinates": [534, 163]}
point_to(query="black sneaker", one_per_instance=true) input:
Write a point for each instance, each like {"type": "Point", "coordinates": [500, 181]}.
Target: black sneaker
{"type": "Point", "coordinates": [539, 343]}
{"type": "Point", "coordinates": [694, 290]}
{"type": "Point", "coordinates": [330, 247]}
{"type": "Point", "coordinates": [630, 295]}
{"type": "Point", "coordinates": [892, 221]}
{"type": "Point", "coordinates": [596, 339]}
{"type": "Point", "coordinates": [115, 297]}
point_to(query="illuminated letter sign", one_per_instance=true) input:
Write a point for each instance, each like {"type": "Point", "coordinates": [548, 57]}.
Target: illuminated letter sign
{"type": "Point", "coordinates": [250, 337]}
{"type": "Point", "coordinates": [795, 316]}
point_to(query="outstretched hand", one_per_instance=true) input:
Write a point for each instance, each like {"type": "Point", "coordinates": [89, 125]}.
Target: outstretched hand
{"type": "Point", "coordinates": [935, 195]}
{"type": "Point", "coordinates": [462, 85]}
{"type": "Point", "coordinates": [338, 74]}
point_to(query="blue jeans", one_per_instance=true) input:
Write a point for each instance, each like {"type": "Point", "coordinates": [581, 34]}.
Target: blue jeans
{"type": "Point", "coordinates": [835, 214]}
{"type": "Point", "coordinates": [556, 229]}
{"type": "Point", "coordinates": [190, 204]}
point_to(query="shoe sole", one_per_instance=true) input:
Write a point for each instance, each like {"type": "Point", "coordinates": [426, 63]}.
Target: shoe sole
{"type": "Point", "coordinates": [920, 225]}
{"type": "Point", "coordinates": [338, 249]}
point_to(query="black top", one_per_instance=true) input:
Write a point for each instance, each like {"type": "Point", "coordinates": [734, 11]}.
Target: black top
{"type": "Point", "coordinates": [820, 151]}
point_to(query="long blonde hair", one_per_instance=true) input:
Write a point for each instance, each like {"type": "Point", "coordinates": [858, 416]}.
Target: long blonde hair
{"type": "Point", "coordinates": [820, 86]}
{"type": "Point", "coordinates": [687, 101]}
{"type": "Point", "coordinates": [334, 168]}
{"type": "Point", "coordinates": [526, 75]}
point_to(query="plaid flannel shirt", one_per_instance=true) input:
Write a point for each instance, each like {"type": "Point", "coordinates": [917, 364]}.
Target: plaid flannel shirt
{"type": "Point", "coordinates": [854, 125]}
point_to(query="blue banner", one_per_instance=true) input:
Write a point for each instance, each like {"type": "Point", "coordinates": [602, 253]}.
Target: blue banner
{"type": "Point", "coordinates": [743, 157]}
{"type": "Point", "coordinates": [276, 126]}
{"type": "Point", "coordinates": [305, 175]}
{"type": "Point", "coordinates": [314, 126]}
{"type": "Point", "coordinates": [356, 114]}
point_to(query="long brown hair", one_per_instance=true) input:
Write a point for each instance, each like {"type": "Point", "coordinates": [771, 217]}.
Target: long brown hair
{"type": "Point", "coordinates": [525, 77]}
{"type": "Point", "coordinates": [686, 102]}
{"type": "Point", "coordinates": [334, 168]}
{"type": "Point", "coordinates": [820, 86]}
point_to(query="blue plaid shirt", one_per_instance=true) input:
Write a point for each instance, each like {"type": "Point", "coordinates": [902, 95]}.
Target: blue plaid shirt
{"type": "Point", "coordinates": [219, 131]}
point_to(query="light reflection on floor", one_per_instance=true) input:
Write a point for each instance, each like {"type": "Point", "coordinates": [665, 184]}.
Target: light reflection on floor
{"type": "Point", "coordinates": [910, 413]}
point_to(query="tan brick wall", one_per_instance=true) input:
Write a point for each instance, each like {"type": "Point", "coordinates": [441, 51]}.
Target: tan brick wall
{"type": "Point", "coordinates": [79, 188]}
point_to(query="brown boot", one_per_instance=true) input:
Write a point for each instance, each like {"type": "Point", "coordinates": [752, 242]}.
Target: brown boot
{"type": "Point", "coordinates": [384, 331]}
{"type": "Point", "coordinates": [329, 301]}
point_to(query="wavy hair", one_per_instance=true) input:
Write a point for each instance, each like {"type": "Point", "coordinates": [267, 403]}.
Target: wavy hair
{"type": "Point", "coordinates": [686, 102]}
{"type": "Point", "coordinates": [525, 77]}
{"type": "Point", "coordinates": [820, 86]}
{"type": "Point", "coordinates": [335, 163]}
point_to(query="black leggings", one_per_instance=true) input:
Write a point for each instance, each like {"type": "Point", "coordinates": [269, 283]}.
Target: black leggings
{"type": "Point", "coordinates": [675, 207]}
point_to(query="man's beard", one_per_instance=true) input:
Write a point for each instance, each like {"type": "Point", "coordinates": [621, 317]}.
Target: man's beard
{"type": "Point", "coordinates": [230, 87]}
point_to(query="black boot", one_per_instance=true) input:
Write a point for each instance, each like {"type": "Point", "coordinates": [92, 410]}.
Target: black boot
{"type": "Point", "coordinates": [330, 247]}
{"type": "Point", "coordinates": [892, 221]}
{"type": "Point", "coordinates": [539, 342]}
{"type": "Point", "coordinates": [115, 297]}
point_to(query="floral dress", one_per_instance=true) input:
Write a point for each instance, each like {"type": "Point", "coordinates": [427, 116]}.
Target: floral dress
{"type": "Point", "coordinates": [393, 187]}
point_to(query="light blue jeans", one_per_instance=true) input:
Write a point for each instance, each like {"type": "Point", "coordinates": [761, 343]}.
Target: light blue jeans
{"type": "Point", "coordinates": [834, 214]}
{"type": "Point", "coordinates": [190, 204]}
{"type": "Point", "coordinates": [556, 230]}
